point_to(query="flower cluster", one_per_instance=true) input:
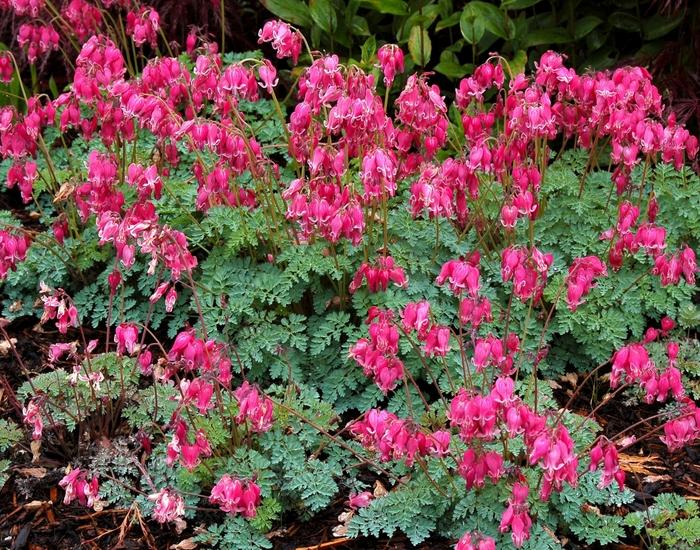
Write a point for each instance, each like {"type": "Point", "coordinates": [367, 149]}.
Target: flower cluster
{"type": "Point", "coordinates": [378, 355]}
{"type": "Point", "coordinates": [234, 496]}
{"type": "Point", "coordinates": [13, 250]}
{"type": "Point", "coordinates": [78, 487]}
{"type": "Point", "coordinates": [253, 408]}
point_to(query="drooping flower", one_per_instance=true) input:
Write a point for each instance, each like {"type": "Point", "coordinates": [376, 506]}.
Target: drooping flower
{"type": "Point", "coordinates": [234, 496]}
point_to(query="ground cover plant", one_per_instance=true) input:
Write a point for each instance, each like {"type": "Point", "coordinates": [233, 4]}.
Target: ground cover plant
{"type": "Point", "coordinates": [262, 305]}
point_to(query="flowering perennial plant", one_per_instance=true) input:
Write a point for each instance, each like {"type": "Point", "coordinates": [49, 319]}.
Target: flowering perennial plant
{"type": "Point", "coordinates": [255, 243]}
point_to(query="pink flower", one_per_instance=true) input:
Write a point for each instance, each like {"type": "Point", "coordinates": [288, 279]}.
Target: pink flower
{"type": "Point", "coordinates": [6, 67]}
{"type": "Point", "coordinates": [198, 390]}
{"type": "Point", "coordinates": [461, 275]}
{"type": "Point", "coordinates": [379, 275]}
{"type": "Point", "coordinates": [475, 416]}
{"type": "Point", "coordinates": [268, 76]}
{"type": "Point", "coordinates": [475, 467]}
{"type": "Point", "coordinates": [416, 316]}
{"type": "Point", "coordinates": [32, 416]}
{"type": "Point", "coordinates": [379, 168]}
{"type": "Point", "coordinates": [683, 430]}
{"type": "Point", "coordinates": [580, 281]}
{"type": "Point", "coordinates": [391, 62]}
{"type": "Point", "coordinates": [58, 306]}
{"type": "Point", "coordinates": [475, 541]}
{"type": "Point", "coordinates": [437, 341]}
{"type": "Point", "coordinates": [143, 26]}
{"type": "Point", "coordinates": [286, 41]}
{"type": "Point", "coordinates": [254, 408]}
{"type": "Point", "coordinates": [667, 325]}
{"type": "Point", "coordinates": [234, 496]}
{"type": "Point", "coordinates": [169, 506]}
{"type": "Point", "coordinates": [126, 337]}
{"type": "Point", "coordinates": [78, 488]}
{"type": "Point", "coordinates": [39, 40]}
{"type": "Point", "coordinates": [516, 517]}
{"type": "Point", "coordinates": [360, 500]}
{"type": "Point", "coordinates": [13, 250]}
{"type": "Point", "coordinates": [389, 435]}
{"type": "Point", "coordinates": [606, 452]}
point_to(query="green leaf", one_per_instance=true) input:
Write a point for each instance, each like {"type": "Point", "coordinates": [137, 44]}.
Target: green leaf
{"type": "Point", "coordinates": [624, 21]}
{"type": "Point", "coordinates": [517, 64]}
{"type": "Point", "coordinates": [323, 14]}
{"type": "Point", "coordinates": [295, 12]}
{"type": "Point", "coordinates": [492, 18]}
{"type": "Point", "coordinates": [369, 50]}
{"type": "Point", "coordinates": [657, 26]}
{"type": "Point", "coordinates": [451, 69]}
{"type": "Point", "coordinates": [419, 45]}
{"type": "Point", "coordinates": [585, 25]}
{"type": "Point", "coordinates": [390, 7]}
{"type": "Point", "coordinates": [518, 4]}
{"type": "Point", "coordinates": [360, 26]}
{"type": "Point", "coordinates": [448, 22]}
{"type": "Point", "coordinates": [471, 25]}
{"type": "Point", "coordinates": [53, 87]}
{"type": "Point", "coordinates": [554, 35]}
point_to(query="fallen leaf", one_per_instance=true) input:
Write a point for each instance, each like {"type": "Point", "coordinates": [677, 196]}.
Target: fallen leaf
{"type": "Point", "coordinates": [35, 446]}
{"type": "Point", "coordinates": [654, 479]}
{"type": "Point", "coordinates": [38, 473]}
{"type": "Point", "coordinates": [570, 377]}
{"type": "Point", "coordinates": [36, 505]}
{"type": "Point", "coordinates": [187, 544]}
{"type": "Point", "coordinates": [379, 489]}
{"type": "Point", "coordinates": [6, 346]}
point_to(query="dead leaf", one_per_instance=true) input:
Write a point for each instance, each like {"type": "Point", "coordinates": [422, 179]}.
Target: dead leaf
{"type": "Point", "coordinates": [552, 384]}
{"type": "Point", "coordinates": [64, 192]}
{"type": "Point", "coordinates": [6, 346]}
{"type": "Point", "coordinates": [38, 473]}
{"type": "Point", "coordinates": [379, 489]}
{"type": "Point", "coordinates": [342, 529]}
{"type": "Point", "coordinates": [654, 479]}
{"type": "Point", "coordinates": [570, 377]}
{"type": "Point", "coordinates": [187, 544]}
{"type": "Point", "coordinates": [589, 508]}
{"type": "Point", "coordinates": [35, 446]}
{"type": "Point", "coordinates": [36, 505]}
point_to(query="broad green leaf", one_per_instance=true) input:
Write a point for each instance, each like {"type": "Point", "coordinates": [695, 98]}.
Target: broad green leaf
{"type": "Point", "coordinates": [419, 46]}
{"type": "Point", "coordinates": [493, 19]}
{"type": "Point", "coordinates": [391, 7]}
{"type": "Point", "coordinates": [624, 21]}
{"type": "Point", "coordinates": [369, 50]}
{"type": "Point", "coordinates": [657, 26]}
{"type": "Point", "coordinates": [518, 4]}
{"type": "Point", "coordinates": [517, 64]}
{"type": "Point", "coordinates": [448, 22]}
{"type": "Point", "coordinates": [451, 69]}
{"type": "Point", "coordinates": [295, 12]}
{"type": "Point", "coordinates": [555, 35]}
{"type": "Point", "coordinates": [323, 14]}
{"type": "Point", "coordinates": [585, 25]}
{"type": "Point", "coordinates": [360, 26]}
{"type": "Point", "coordinates": [471, 25]}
